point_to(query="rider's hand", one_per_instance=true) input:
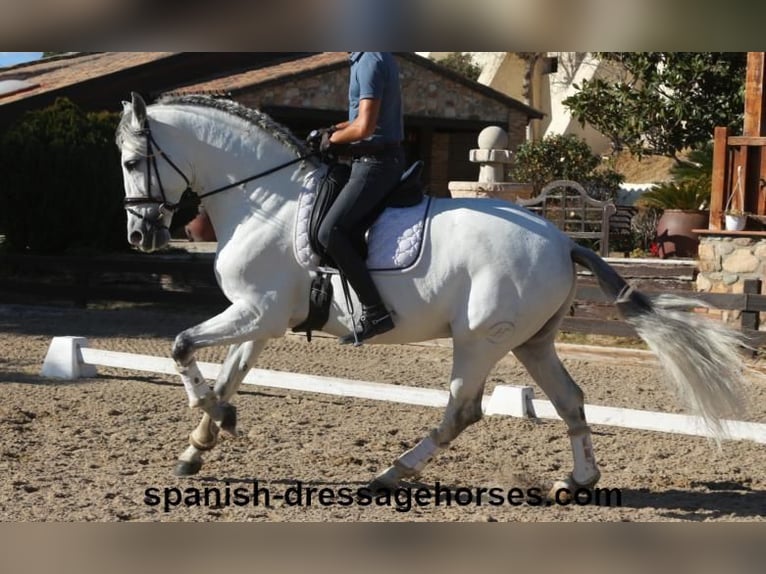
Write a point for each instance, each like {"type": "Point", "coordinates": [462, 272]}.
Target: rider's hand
{"type": "Point", "coordinates": [316, 138]}
{"type": "Point", "coordinates": [326, 146]}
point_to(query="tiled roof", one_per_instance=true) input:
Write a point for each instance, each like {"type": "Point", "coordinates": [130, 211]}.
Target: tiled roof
{"type": "Point", "coordinates": [51, 74]}
{"type": "Point", "coordinates": [54, 73]}
{"type": "Point", "coordinates": [278, 72]}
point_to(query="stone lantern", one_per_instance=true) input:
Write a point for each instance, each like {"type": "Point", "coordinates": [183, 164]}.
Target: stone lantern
{"type": "Point", "coordinates": [493, 156]}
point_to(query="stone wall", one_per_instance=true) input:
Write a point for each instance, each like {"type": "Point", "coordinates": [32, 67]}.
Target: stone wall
{"type": "Point", "coordinates": [428, 94]}
{"type": "Point", "coordinates": [725, 262]}
{"type": "Point", "coordinates": [323, 92]}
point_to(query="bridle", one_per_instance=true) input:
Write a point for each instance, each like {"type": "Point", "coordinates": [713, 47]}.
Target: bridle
{"type": "Point", "coordinates": [153, 150]}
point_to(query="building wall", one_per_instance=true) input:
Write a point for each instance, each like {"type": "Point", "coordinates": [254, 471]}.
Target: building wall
{"type": "Point", "coordinates": [504, 72]}
{"type": "Point", "coordinates": [425, 94]}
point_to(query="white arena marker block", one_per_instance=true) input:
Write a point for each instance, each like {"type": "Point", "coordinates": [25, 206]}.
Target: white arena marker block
{"type": "Point", "coordinates": [64, 359]}
{"type": "Point", "coordinates": [510, 400]}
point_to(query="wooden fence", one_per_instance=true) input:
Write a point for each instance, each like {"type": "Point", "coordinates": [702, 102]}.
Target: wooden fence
{"type": "Point", "coordinates": [181, 279]}
{"type": "Point", "coordinates": [750, 303]}
{"type": "Point", "coordinates": [189, 279]}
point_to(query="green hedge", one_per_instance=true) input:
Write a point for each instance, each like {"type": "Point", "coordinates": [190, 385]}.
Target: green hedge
{"type": "Point", "coordinates": [60, 182]}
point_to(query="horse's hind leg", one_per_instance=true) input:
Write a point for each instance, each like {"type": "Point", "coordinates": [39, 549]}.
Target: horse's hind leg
{"type": "Point", "coordinates": [472, 362]}
{"type": "Point", "coordinates": [540, 359]}
{"type": "Point", "coordinates": [239, 361]}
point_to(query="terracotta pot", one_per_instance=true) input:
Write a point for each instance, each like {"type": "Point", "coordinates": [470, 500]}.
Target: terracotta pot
{"type": "Point", "coordinates": [674, 232]}
{"type": "Point", "coordinates": [200, 229]}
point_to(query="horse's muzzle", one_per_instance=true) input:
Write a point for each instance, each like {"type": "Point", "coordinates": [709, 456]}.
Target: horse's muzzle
{"type": "Point", "coordinates": [151, 240]}
{"type": "Point", "coordinates": [148, 232]}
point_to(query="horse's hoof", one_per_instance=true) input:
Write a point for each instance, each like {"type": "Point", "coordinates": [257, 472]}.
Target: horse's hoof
{"type": "Point", "coordinates": [187, 468]}
{"type": "Point", "coordinates": [565, 490]}
{"type": "Point", "coordinates": [389, 479]}
{"type": "Point", "coordinates": [229, 419]}
{"type": "Point", "coordinates": [376, 486]}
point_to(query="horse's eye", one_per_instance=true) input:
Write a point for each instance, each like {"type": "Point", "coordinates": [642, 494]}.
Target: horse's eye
{"type": "Point", "coordinates": [131, 164]}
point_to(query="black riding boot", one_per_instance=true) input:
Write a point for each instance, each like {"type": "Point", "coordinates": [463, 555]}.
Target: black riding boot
{"type": "Point", "coordinates": [375, 317]}
{"type": "Point", "coordinates": [374, 321]}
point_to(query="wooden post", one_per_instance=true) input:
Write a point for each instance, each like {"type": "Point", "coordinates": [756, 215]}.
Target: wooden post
{"type": "Point", "coordinates": [718, 195]}
{"type": "Point", "coordinates": [754, 160]}
{"type": "Point", "coordinates": [755, 95]}
{"type": "Point", "coordinates": [751, 319]}
{"type": "Point", "coordinates": [761, 202]}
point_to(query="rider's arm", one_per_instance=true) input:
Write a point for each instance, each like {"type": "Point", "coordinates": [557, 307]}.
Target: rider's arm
{"type": "Point", "coordinates": [363, 125]}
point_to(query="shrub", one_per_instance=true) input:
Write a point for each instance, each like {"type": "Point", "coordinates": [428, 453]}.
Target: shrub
{"type": "Point", "coordinates": [644, 229]}
{"type": "Point", "coordinates": [62, 186]}
{"type": "Point", "coordinates": [691, 185]}
{"type": "Point", "coordinates": [564, 157]}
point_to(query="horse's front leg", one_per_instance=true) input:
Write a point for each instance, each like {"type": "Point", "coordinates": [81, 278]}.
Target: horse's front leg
{"type": "Point", "coordinates": [204, 437]}
{"type": "Point", "coordinates": [239, 323]}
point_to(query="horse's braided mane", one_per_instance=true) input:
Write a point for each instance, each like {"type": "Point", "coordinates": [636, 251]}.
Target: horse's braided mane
{"type": "Point", "coordinates": [255, 117]}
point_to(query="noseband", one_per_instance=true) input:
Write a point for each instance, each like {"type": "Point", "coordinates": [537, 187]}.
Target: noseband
{"type": "Point", "coordinates": [152, 151]}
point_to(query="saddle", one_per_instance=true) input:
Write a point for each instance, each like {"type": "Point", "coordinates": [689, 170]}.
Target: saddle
{"type": "Point", "coordinates": [407, 193]}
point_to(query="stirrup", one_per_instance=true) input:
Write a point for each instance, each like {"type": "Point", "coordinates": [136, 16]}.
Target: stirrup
{"type": "Point", "coordinates": [369, 327]}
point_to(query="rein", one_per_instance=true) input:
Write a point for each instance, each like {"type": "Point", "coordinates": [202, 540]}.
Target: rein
{"type": "Point", "coordinates": [165, 206]}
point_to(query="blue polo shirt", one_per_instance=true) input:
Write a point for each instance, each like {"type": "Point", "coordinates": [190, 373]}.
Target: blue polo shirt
{"type": "Point", "coordinates": [375, 75]}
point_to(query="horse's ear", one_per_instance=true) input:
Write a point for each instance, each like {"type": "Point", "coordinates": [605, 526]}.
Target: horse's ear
{"type": "Point", "coordinates": [139, 109]}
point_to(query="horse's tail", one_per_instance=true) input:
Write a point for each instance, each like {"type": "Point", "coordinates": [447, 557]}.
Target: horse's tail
{"type": "Point", "coordinates": [701, 356]}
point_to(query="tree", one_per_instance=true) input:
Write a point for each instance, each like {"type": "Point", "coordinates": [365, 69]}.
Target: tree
{"type": "Point", "coordinates": [462, 63]}
{"type": "Point", "coordinates": [666, 102]}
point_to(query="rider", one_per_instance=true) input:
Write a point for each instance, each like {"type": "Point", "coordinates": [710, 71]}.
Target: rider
{"type": "Point", "coordinates": [373, 135]}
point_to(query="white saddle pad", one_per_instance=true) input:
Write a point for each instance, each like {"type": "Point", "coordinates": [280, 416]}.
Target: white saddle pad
{"type": "Point", "coordinates": [394, 241]}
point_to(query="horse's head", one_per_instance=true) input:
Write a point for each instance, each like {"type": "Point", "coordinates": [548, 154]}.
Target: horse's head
{"type": "Point", "coordinates": [154, 183]}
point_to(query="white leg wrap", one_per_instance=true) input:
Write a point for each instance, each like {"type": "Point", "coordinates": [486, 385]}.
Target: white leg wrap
{"type": "Point", "coordinates": [418, 456]}
{"type": "Point", "coordinates": [194, 383]}
{"type": "Point", "coordinates": [585, 468]}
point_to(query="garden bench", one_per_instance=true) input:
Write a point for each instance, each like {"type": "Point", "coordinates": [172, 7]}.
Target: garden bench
{"type": "Point", "coordinates": [571, 209]}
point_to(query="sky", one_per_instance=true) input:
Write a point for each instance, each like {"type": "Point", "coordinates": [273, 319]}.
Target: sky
{"type": "Point", "coordinates": [11, 58]}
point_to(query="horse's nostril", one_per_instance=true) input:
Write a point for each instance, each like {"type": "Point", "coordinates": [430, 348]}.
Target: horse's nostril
{"type": "Point", "coordinates": [135, 238]}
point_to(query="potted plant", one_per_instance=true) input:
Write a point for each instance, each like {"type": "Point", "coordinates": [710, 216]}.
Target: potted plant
{"type": "Point", "coordinates": [684, 203]}
{"type": "Point", "coordinates": [735, 219]}
{"type": "Point", "coordinates": [684, 206]}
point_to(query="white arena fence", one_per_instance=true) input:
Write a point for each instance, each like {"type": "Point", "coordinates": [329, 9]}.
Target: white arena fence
{"type": "Point", "coordinates": [70, 358]}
